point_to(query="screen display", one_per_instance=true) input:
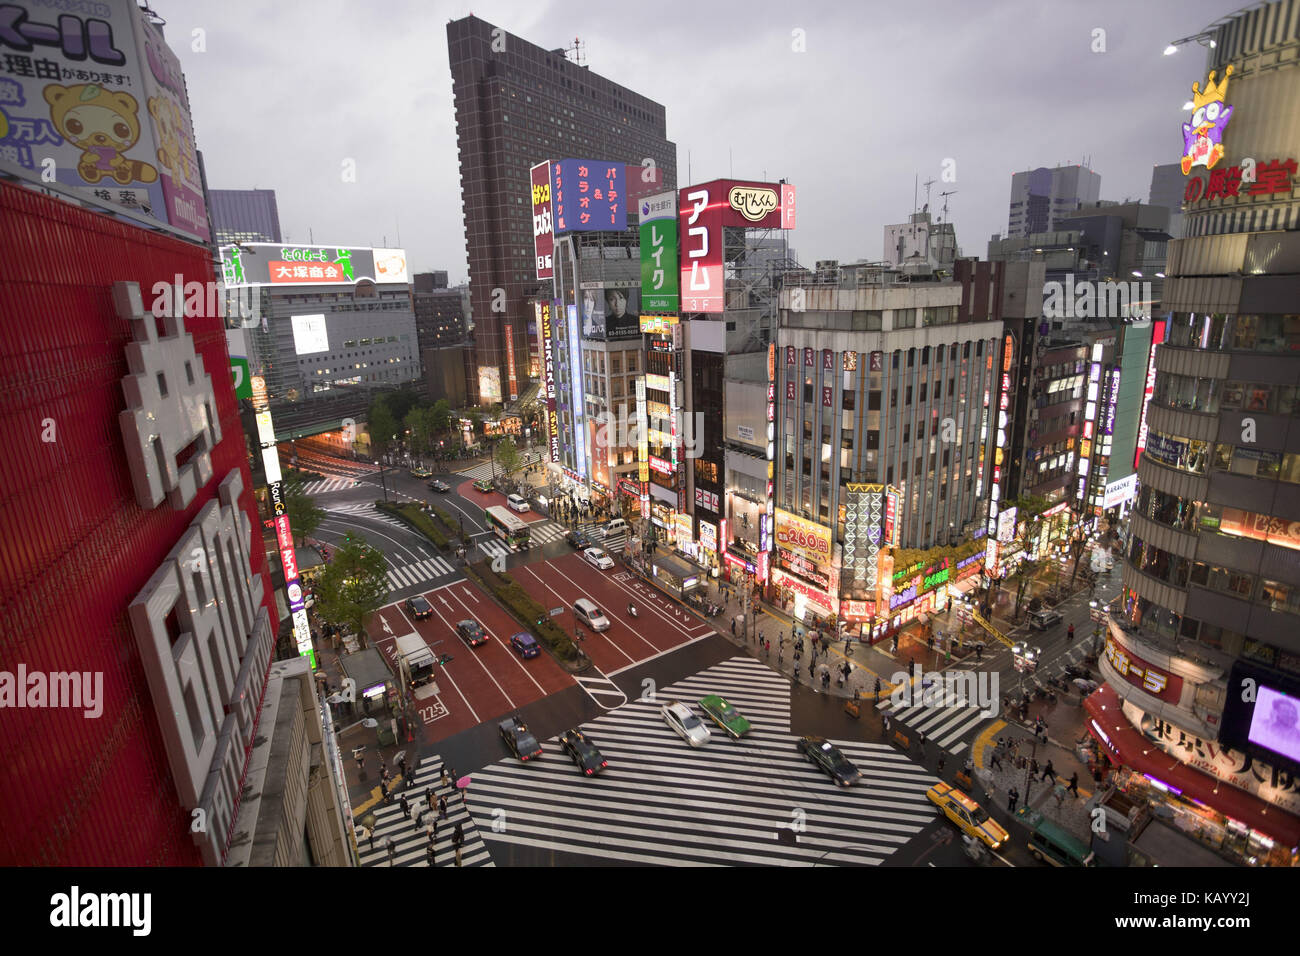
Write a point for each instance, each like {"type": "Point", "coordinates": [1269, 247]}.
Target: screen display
{"type": "Point", "coordinates": [309, 336]}
{"type": "Point", "coordinates": [1276, 722]}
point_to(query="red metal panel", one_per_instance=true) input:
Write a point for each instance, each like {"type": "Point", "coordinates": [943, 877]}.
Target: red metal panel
{"type": "Point", "coordinates": [76, 790]}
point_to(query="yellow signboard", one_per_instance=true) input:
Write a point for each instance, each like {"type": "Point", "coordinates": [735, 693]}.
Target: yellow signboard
{"type": "Point", "coordinates": [804, 537]}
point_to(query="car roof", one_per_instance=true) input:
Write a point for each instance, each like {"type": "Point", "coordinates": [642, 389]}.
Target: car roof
{"type": "Point", "coordinates": [586, 604]}
{"type": "Point", "coordinates": [678, 707]}
{"type": "Point", "coordinates": [956, 796]}
{"type": "Point", "coordinates": [524, 638]}
{"type": "Point", "coordinates": [472, 622]}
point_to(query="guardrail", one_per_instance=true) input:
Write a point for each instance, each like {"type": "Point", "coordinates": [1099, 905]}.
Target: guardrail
{"type": "Point", "coordinates": [979, 619]}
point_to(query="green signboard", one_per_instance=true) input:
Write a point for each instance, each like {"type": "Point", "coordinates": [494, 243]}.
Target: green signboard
{"type": "Point", "coordinates": [659, 270]}
{"type": "Point", "coordinates": [239, 372]}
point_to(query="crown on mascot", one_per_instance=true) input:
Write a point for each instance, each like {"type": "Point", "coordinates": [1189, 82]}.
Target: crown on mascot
{"type": "Point", "coordinates": [1212, 91]}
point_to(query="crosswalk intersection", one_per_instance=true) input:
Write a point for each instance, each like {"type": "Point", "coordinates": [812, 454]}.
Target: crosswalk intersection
{"type": "Point", "coordinates": [409, 575]}
{"type": "Point", "coordinates": [410, 842]}
{"type": "Point", "coordinates": [661, 802]}
{"type": "Point", "coordinates": [945, 726]}
{"type": "Point", "coordinates": [489, 470]}
{"type": "Point", "coordinates": [328, 485]}
{"type": "Point", "coordinates": [539, 533]}
{"type": "Point", "coordinates": [364, 509]}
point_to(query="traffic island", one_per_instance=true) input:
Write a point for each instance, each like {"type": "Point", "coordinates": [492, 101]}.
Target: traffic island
{"type": "Point", "coordinates": [534, 618]}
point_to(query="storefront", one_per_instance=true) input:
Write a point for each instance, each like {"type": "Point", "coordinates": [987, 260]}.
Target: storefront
{"type": "Point", "coordinates": [1252, 821]}
{"type": "Point", "coordinates": [803, 601]}
{"type": "Point", "coordinates": [676, 576]}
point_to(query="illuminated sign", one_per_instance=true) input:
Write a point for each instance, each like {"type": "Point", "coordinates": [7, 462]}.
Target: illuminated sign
{"type": "Point", "coordinates": [700, 228]}
{"type": "Point", "coordinates": [787, 205]}
{"type": "Point", "coordinates": [545, 309]}
{"type": "Point", "coordinates": [1112, 401]}
{"type": "Point", "coordinates": [659, 268]}
{"type": "Point", "coordinates": [575, 384]}
{"type": "Point", "coordinates": [1139, 673]}
{"type": "Point", "coordinates": [1157, 336]}
{"type": "Point", "coordinates": [755, 203]}
{"type": "Point", "coordinates": [893, 501]}
{"type": "Point", "coordinates": [708, 536]}
{"type": "Point", "coordinates": [805, 537]}
{"type": "Point", "coordinates": [543, 234]}
{"type": "Point", "coordinates": [587, 196]}
{"type": "Point", "coordinates": [1203, 136]}
{"type": "Point", "coordinates": [264, 263]}
{"type": "Point", "coordinates": [656, 324]}
{"type": "Point", "coordinates": [1007, 525]}
{"type": "Point", "coordinates": [1270, 178]}
{"type": "Point", "coordinates": [826, 603]}
{"type": "Point", "coordinates": [508, 334]}
{"type": "Point", "coordinates": [661, 466]}
{"type": "Point", "coordinates": [863, 532]}
{"type": "Point", "coordinates": [1119, 491]}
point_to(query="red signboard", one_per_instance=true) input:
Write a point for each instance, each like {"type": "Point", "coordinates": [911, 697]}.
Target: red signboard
{"type": "Point", "coordinates": [543, 235]}
{"type": "Point", "coordinates": [700, 231]}
{"type": "Point", "coordinates": [282, 535]}
{"type": "Point", "coordinates": [1156, 682]}
{"type": "Point", "coordinates": [320, 273]}
{"type": "Point", "coordinates": [787, 205]}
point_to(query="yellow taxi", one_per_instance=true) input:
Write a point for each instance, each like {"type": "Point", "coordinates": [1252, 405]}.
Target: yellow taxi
{"type": "Point", "coordinates": [969, 816]}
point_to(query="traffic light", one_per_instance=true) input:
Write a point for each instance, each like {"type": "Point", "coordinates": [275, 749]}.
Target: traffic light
{"type": "Point", "coordinates": [445, 659]}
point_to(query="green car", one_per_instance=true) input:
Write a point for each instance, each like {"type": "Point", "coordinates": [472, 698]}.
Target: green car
{"type": "Point", "coordinates": [725, 716]}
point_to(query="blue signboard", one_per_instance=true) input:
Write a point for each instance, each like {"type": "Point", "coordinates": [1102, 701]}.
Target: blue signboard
{"type": "Point", "coordinates": [588, 195]}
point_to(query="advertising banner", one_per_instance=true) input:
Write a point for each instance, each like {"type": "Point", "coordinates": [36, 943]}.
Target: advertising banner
{"type": "Point", "coordinates": [489, 385]}
{"type": "Point", "coordinates": [587, 195]}
{"type": "Point", "coordinates": [575, 382]}
{"type": "Point", "coordinates": [509, 336]}
{"type": "Point", "coordinates": [659, 268]}
{"type": "Point", "coordinates": [796, 534]}
{"type": "Point", "coordinates": [543, 236]}
{"type": "Point", "coordinates": [265, 263]}
{"type": "Point", "coordinates": [544, 312]}
{"type": "Point", "coordinates": [863, 533]}
{"type": "Point", "coordinates": [1119, 491]}
{"type": "Point", "coordinates": [610, 313]}
{"type": "Point", "coordinates": [99, 100]}
{"type": "Point", "coordinates": [700, 230]}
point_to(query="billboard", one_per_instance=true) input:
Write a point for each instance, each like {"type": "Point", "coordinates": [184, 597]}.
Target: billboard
{"type": "Point", "coordinates": [489, 384]}
{"type": "Point", "coordinates": [543, 236]}
{"type": "Point", "coordinates": [546, 311]}
{"type": "Point", "coordinates": [610, 312]}
{"type": "Point", "coordinates": [700, 228]}
{"type": "Point", "coordinates": [1119, 491]}
{"type": "Point", "coordinates": [659, 253]}
{"type": "Point", "coordinates": [99, 101]}
{"type": "Point", "coordinates": [1157, 336]}
{"type": "Point", "coordinates": [309, 334]}
{"type": "Point", "coordinates": [804, 537]}
{"type": "Point", "coordinates": [863, 533]}
{"type": "Point", "coordinates": [266, 263]}
{"type": "Point", "coordinates": [587, 195]}
{"type": "Point", "coordinates": [575, 385]}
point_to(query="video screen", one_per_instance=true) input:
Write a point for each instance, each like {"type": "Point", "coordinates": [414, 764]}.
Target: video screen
{"type": "Point", "coordinates": [309, 335]}
{"type": "Point", "coordinates": [1276, 722]}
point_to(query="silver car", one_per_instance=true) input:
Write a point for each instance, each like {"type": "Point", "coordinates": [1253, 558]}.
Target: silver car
{"type": "Point", "coordinates": [689, 727]}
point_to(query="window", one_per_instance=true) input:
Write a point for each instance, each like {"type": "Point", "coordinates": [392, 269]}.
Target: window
{"type": "Point", "coordinates": [904, 319]}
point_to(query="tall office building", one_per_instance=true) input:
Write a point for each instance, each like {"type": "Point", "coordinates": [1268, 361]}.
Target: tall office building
{"type": "Point", "coordinates": [1200, 710]}
{"type": "Point", "coordinates": [517, 105]}
{"type": "Point", "coordinates": [1167, 182]}
{"type": "Point", "coordinates": [244, 215]}
{"type": "Point", "coordinates": [1040, 196]}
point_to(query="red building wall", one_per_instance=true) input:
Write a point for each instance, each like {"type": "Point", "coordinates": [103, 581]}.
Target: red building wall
{"type": "Point", "coordinates": [76, 548]}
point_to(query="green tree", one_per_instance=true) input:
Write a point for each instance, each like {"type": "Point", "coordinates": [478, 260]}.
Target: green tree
{"type": "Point", "coordinates": [440, 416]}
{"type": "Point", "coordinates": [1029, 524]}
{"type": "Point", "coordinates": [401, 402]}
{"type": "Point", "coordinates": [382, 425]}
{"type": "Point", "coordinates": [476, 422]}
{"type": "Point", "coordinates": [352, 585]}
{"type": "Point", "coordinates": [508, 455]}
{"type": "Point", "coordinates": [304, 516]}
{"type": "Point", "coordinates": [420, 423]}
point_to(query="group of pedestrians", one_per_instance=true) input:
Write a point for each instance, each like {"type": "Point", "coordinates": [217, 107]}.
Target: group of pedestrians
{"type": "Point", "coordinates": [434, 807]}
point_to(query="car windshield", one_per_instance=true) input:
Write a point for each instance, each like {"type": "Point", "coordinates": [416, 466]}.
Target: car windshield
{"type": "Point", "coordinates": [729, 712]}
{"type": "Point", "coordinates": [690, 721]}
{"type": "Point", "coordinates": [979, 815]}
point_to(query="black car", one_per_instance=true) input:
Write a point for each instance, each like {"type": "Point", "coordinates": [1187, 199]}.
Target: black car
{"type": "Point", "coordinates": [437, 485]}
{"type": "Point", "coordinates": [820, 751]}
{"type": "Point", "coordinates": [583, 752]}
{"type": "Point", "coordinates": [1044, 619]}
{"type": "Point", "coordinates": [519, 738]}
{"type": "Point", "coordinates": [576, 539]}
{"type": "Point", "coordinates": [418, 608]}
{"type": "Point", "coordinates": [471, 632]}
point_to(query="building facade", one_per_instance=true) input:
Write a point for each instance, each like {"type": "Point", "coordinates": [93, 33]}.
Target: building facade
{"type": "Point", "coordinates": [1212, 573]}
{"type": "Point", "coordinates": [1039, 197]}
{"type": "Point", "coordinates": [517, 105]}
{"type": "Point", "coordinates": [244, 215]}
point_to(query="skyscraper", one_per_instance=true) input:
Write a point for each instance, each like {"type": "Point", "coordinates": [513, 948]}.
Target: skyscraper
{"type": "Point", "coordinates": [1039, 196]}
{"type": "Point", "coordinates": [1167, 190]}
{"type": "Point", "coordinates": [517, 105]}
{"type": "Point", "coordinates": [245, 215]}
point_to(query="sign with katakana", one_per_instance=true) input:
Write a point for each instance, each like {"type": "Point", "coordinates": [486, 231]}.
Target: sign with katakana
{"type": "Point", "coordinates": [587, 195]}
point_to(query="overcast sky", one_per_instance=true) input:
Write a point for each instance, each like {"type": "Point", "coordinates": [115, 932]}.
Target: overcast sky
{"type": "Point", "coordinates": [884, 92]}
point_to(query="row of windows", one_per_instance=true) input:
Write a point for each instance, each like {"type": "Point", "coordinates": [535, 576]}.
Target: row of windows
{"type": "Point", "coordinates": [1179, 571]}
{"type": "Point", "coordinates": [1211, 395]}
{"type": "Point", "coordinates": [1218, 332]}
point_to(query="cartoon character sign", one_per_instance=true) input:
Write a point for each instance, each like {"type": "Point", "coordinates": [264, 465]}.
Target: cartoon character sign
{"type": "Point", "coordinates": [1203, 136]}
{"type": "Point", "coordinates": [105, 125]}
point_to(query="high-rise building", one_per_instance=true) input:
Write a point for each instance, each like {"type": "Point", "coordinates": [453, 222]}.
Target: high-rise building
{"type": "Point", "coordinates": [244, 215]}
{"type": "Point", "coordinates": [1167, 182]}
{"type": "Point", "coordinates": [517, 105]}
{"type": "Point", "coordinates": [1040, 196]}
{"type": "Point", "coordinates": [1200, 709]}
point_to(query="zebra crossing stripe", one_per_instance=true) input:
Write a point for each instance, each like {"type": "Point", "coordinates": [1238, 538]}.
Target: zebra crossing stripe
{"type": "Point", "coordinates": [411, 574]}
{"type": "Point", "coordinates": [410, 842]}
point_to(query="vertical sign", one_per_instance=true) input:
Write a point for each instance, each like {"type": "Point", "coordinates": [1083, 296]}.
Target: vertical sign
{"type": "Point", "coordinates": [509, 334]}
{"type": "Point", "coordinates": [543, 235]}
{"type": "Point", "coordinates": [700, 216]}
{"type": "Point", "coordinates": [659, 268]}
{"type": "Point", "coordinates": [575, 380]}
{"type": "Point", "coordinates": [545, 310]}
{"type": "Point", "coordinates": [787, 205]}
{"type": "Point", "coordinates": [1157, 336]}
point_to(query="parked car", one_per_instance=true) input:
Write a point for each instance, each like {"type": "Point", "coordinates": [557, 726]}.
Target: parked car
{"type": "Point", "coordinates": [1044, 618]}
{"type": "Point", "coordinates": [598, 559]}
{"type": "Point", "coordinates": [418, 608]}
{"type": "Point", "coordinates": [583, 752]}
{"type": "Point", "coordinates": [821, 752]}
{"type": "Point", "coordinates": [685, 724]}
{"type": "Point", "coordinates": [525, 645]}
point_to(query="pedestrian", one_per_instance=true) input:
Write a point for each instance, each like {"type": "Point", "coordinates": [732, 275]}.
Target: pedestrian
{"type": "Point", "coordinates": [877, 690]}
{"type": "Point", "coordinates": [886, 722]}
{"type": "Point", "coordinates": [442, 808]}
{"type": "Point", "coordinates": [1049, 772]}
{"type": "Point", "coordinates": [449, 777]}
{"type": "Point", "coordinates": [431, 854]}
{"type": "Point", "coordinates": [911, 668]}
{"type": "Point", "coordinates": [1033, 767]}
{"type": "Point", "coordinates": [458, 835]}
{"type": "Point", "coordinates": [372, 839]}
{"type": "Point", "coordinates": [733, 627]}
{"type": "Point", "coordinates": [419, 815]}
{"type": "Point", "coordinates": [402, 764]}
{"type": "Point", "coordinates": [383, 789]}
{"type": "Point", "coordinates": [406, 808]}
{"type": "Point", "coordinates": [1012, 796]}
{"type": "Point", "coordinates": [979, 650]}
{"type": "Point", "coordinates": [1069, 634]}
{"type": "Point", "coordinates": [894, 646]}
{"type": "Point", "coordinates": [947, 653]}
{"type": "Point", "coordinates": [811, 664]}
{"type": "Point", "coordinates": [995, 763]}
{"type": "Point", "coordinates": [391, 846]}
{"type": "Point", "coordinates": [428, 797]}
{"type": "Point", "coordinates": [940, 762]}
{"type": "Point", "coordinates": [1074, 783]}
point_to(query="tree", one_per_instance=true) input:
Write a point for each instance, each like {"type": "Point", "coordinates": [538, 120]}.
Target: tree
{"type": "Point", "coordinates": [382, 425]}
{"type": "Point", "coordinates": [304, 516]}
{"type": "Point", "coordinates": [1029, 521]}
{"type": "Point", "coordinates": [508, 454]}
{"type": "Point", "coordinates": [420, 423]}
{"type": "Point", "coordinates": [440, 416]}
{"type": "Point", "coordinates": [476, 422]}
{"type": "Point", "coordinates": [401, 402]}
{"type": "Point", "coordinates": [352, 585]}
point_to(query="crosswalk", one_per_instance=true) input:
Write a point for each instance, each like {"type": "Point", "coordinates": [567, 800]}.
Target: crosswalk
{"type": "Point", "coordinates": [660, 802]}
{"type": "Point", "coordinates": [950, 725]}
{"type": "Point", "coordinates": [364, 509]}
{"type": "Point", "coordinates": [488, 470]}
{"type": "Point", "coordinates": [410, 842]}
{"type": "Point", "coordinates": [328, 485]}
{"type": "Point", "coordinates": [409, 575]}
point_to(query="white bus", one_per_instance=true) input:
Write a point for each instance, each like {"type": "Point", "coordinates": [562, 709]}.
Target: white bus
{"type": "Point", "coordinates": [508, 527]}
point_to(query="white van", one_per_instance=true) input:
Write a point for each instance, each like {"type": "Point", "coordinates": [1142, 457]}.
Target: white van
{"type": "Point", "coordinates": [590, 615]}
{"type": "Point", "coordinates": [616, 526]}
{"type": "Point", "coordinates": [517, 503]}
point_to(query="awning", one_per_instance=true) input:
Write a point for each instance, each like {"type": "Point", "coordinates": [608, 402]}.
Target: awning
{"type": "Point", "coordinates": [1136, 752]}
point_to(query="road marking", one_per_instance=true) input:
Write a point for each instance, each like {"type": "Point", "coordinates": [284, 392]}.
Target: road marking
{"type": "Point", "coordinates": [566, 602]}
